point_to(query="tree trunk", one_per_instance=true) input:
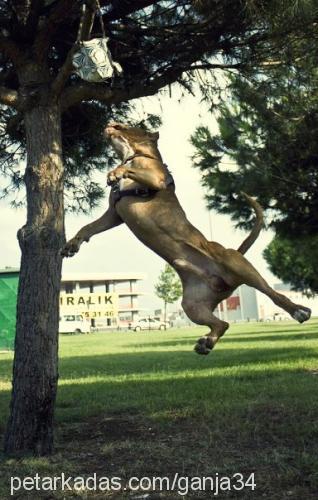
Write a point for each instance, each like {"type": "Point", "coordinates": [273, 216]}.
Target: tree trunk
{"type": "Point", "coordinates": [35, 370]}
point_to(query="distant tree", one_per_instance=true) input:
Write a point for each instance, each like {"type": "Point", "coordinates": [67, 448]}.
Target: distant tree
{"type": "Point", "coordinates": [169, 287]}
{"type": "Point", "coordinates": [267, 146]}
{"type": "Point", "coordinates": [294, 261]}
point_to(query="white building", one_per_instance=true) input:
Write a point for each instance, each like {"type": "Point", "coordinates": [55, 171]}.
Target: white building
{"type": "Point", "coordinates": [240, 306]}
{"type": "Point", "coordinates": [269, 310]}
{"type": "Point", "coordinates": [249, 304]}
{"type": "Point", "coordinates": [108, 299]}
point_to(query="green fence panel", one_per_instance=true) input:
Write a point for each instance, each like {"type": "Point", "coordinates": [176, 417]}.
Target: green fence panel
{"type": "Point", "coordinates": [8, 304]}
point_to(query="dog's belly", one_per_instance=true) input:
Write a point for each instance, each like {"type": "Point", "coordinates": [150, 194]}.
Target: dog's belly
{"type": "Point", "coordinates": [158, 218]}
{"type": "Point", "coordinates": [161, 224]}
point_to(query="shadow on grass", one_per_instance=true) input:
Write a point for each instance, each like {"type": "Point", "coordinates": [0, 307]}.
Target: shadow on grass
{"type": "Point", "coordinates": [272, 338]}
{"type": "Point", "coordinates": [293, 330]}
{"type": "Point", "coordinates": [152, 362]}
{"type": "Point", "coordinates": [177, 381]}
{"type": "Point", "coordinates": [212, 421]}
{"type": "Point", "coordinates": [130, 363]}
{"type": "Point", "coordinates": [149, 359]}
{"type": "Point", "coordinates": [244, 338]}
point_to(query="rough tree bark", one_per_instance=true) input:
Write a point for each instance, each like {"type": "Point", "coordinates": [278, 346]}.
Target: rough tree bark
{"type": "Point", "coordinates": [35, 372]}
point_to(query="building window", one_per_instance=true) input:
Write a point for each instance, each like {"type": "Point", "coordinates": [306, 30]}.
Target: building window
{"type": "Point", "coordinates": [68, 288]}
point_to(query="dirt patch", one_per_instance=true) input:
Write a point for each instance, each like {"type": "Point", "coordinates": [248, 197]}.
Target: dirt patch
{"type": "Point", "coordinates": [123, 445]}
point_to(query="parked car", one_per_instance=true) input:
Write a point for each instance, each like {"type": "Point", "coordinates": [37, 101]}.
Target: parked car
{"type": "Point", "coordinates": [167, 323]}
{"type": "Point", "coordinates": [147, 324]}
{"type": "Point", "coordinates": [74, 323]}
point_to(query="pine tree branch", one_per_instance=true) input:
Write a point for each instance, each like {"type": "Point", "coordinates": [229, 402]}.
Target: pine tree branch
{"type": "Point", "coordinates": [33, 16]}
{"type": "Point", "coordinates": [100, 92]}
{"type": "Point", "coordinates": [24, 17]}
{"type": "Point", "coordinates": [64, 73]}
{"type": "Point", "coordinates": [87, 21]}
{"type": "Point", "coordinates": [123, 9]}
{"type": "Point", "coordinates": [84, 30]}
{"type": "Point", "coordinates": [104, 93]}
{"type": "Point", "coordinates": [62, 11]}
{"type": "Point", "coordinates": [216, 66]}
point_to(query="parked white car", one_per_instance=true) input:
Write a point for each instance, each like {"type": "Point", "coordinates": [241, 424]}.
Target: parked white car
{"type": "Point", "coordinates": [74, 323]}
{"type": "Point", "coordinates": [147, 324]}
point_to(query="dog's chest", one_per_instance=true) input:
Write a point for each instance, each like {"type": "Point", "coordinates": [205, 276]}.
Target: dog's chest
{"type": "Point", "coordinates": [135, 211]}
{"type": "Point", "coordinates": [127, 184]}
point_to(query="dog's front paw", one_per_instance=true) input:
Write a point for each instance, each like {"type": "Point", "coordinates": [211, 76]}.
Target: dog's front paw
{"type": "Point", "coordinates": [71, 247]}
{"type": "Point", "coordinates": [116, 174]}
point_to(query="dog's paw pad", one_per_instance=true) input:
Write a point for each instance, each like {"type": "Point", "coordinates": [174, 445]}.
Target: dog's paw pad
{"type": "Point", "coordinates": [302, 314]}
{"type": "Point", "coordinates": [209, 343]}
{"type": "Point", "coordinates": [70, 249]}
{"type": "Point", "coordinates": [201, 349]}
{"type": "Point", "coordinates": [204, 346]}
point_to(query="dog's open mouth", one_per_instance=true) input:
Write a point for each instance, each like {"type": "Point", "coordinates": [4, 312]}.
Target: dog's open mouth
{"type": "Point", "coordinates": [109, 131]}
{"type": "Point", "coordinates": [113, 133]}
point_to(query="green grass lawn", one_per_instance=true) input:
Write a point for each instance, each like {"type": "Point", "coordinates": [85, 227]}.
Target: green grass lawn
{"type": "Point", "coordinates": [144, 404]}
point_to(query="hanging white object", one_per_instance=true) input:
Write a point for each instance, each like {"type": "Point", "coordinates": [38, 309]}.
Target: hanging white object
{"type": "Point", "coordinates": [93, 61]}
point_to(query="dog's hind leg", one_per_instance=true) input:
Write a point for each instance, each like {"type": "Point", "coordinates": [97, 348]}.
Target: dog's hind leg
{"type": "Point", "coordinates": [218, 327]}
{"type": "Point", "coordinates": [244, 272]}
{"type": "Point", "coordinates": [198, 303]}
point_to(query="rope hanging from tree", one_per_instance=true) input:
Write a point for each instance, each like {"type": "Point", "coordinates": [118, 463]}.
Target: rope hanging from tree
{"type": "Point", "coordinates": [93, 61]}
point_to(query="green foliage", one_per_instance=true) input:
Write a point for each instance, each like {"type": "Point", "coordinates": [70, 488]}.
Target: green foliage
{"type": "Point", "coordinates": [295, 261]}
{"type": "Point", "coordinates": [156, 42]}
{"type": "Point", "coordinates": [169, 287]}
{"type": "Point", "coordinates": [267, 146]}
{"type": "Point", "coordinates": [85, 150]}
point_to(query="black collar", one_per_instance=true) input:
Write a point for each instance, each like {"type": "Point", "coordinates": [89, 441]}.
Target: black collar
{"type": "Point", "coordinates": [138, 155]}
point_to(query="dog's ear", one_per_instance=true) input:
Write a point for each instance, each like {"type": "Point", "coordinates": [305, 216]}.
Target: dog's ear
{"type": "Point", "coordinates": [155, 136]}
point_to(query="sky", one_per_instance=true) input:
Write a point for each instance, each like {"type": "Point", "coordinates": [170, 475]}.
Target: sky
{"type": "Point", "coordinates": [118, 250]}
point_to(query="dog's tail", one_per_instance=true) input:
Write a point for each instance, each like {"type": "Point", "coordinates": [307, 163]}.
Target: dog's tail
{"type": "Point", "coordinates": [259, 223]}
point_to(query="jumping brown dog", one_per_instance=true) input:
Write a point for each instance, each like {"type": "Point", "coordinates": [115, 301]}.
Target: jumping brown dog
{"type": "Point", "coordinates": [143, 196]}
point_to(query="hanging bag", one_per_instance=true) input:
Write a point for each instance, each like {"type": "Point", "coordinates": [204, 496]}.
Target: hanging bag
{"type": "Point", "coordinates": [93, 61]}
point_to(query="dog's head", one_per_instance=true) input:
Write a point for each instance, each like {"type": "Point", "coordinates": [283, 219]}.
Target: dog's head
{"type": "Point", "coordinates": [128, 140]}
